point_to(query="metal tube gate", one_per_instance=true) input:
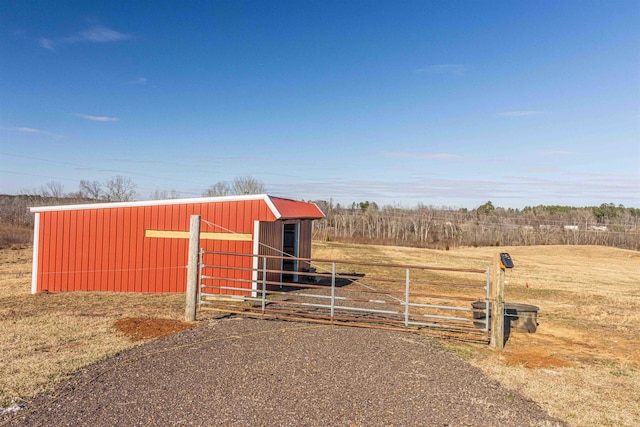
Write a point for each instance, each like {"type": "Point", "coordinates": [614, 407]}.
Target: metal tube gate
{"type": "Point", "coordinates": [434, 300]}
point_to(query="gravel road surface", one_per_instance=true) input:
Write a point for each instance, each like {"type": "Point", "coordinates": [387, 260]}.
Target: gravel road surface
{"type": "Point", "coordinates": [252, 372]}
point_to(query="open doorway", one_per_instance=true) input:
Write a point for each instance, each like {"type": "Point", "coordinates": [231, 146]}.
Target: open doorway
{"type": "Point", "coordinates": [290, 248]}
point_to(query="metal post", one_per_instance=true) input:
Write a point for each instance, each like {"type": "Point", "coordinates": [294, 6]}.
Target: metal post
{"type": "Point", "coordinates": [487, 302]}
{"type": "Point", "coordinates": [497, 305]}
{"type": "Point", "coordinates": [200, 264]}
{"type": "Point", "coordinates": [264, 283]}
{"type": "Point", "coordinates": [192, 269]}
{"type": "Point", "coordinates": [406, 300]}
{"type": "Point", "coordinates": [333, 288]}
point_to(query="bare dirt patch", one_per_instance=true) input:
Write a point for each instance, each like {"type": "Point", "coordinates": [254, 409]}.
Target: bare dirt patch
{"type": "Point", "coordinates": [138, 329]}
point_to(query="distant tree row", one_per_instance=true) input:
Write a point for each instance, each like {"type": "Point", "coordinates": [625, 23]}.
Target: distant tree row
{"type": "Point", "coordinates": [14, 210]}
{"type": "Point", "coordinates": [122, 189]}
{"type": "Point", "coordinates": [116, 189]}
{"type": "Point", "coordinates": [239, 186]}
{"type": "Point", "coordinates": [367, 222]}
{"type": "Point", "coordinates": [486, 225]}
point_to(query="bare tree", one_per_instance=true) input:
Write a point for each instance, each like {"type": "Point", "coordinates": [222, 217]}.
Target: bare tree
{"type": "Point", "coordinates": [164, 194]}
{"type": "Point", "coordinates": [52, 189]}
{"type": "Point", "coordinates": [90, 189]}
{"type": "Point", "coordinates": [247, 185]}
{"type": "Point", "coordinates": [240, 186]}
{"type": "Point", "coordinates": [120, 189]}
{"type": "Point", "coordinates": [220, 188]}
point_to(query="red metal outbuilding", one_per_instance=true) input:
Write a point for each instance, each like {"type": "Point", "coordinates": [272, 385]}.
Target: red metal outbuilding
{"type": "Point", "coordinates": [143, 246]}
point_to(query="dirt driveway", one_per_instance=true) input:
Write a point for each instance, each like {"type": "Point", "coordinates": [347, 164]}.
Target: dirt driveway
{"type": "Point", "coordinates": [249, 372]}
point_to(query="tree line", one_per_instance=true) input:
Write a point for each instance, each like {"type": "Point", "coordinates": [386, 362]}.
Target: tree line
{"type": "Point", "coordinates": [367, 222]}
{"type": "Point", "coordinates": [16, 221]}
{"type": "Point", "coordinates": [486, 225]}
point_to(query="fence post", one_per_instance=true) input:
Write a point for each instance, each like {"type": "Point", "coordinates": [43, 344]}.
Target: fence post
{"type": "Point", "coordinates": [497, 305]}
{"type": "Point", "coordinates": [487, 302]}
{"type": "Point", "coordinates": [406, 299]}
{"type": "Point", "coordinates": [264, 284]}
{"type": "Point", "coordinates": [333, 288]}
{"type": "Point", "coordinates": [200, 264]}
{"type": "Point", "coordinates": [192, 269]}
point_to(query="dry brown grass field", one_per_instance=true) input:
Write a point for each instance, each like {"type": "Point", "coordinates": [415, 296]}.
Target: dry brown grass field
{"type": "Point", "coordinates": [581, 365]}
{"type": "Point", "coordinates": [45, 337]}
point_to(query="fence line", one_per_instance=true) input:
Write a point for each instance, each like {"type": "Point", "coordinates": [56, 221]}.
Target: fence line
{"type": "Point", "coordinates": [415, 302]}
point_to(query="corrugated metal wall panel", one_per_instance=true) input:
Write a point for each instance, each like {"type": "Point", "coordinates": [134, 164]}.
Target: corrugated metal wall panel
{"type": "Point", "coordinates": [271, 244]}
{"type": "Point", "coordinates": [106, 249]}
{"type": "Point", "coordinates": [304, 243]}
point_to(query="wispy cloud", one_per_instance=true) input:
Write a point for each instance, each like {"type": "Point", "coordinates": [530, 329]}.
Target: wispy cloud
{"type": "Point", "coordinates": [455, 69]}
{"type": "Point", "coordinates": [23, 129]}
{"type": "Point", "coordinates": [138, 81]}
{"type": "Point", "coordinates": [555, 152]}
{"type": "Point", "coordinates": [521, 113]}
{"type": "Point", "coordinates": [96, 118]}
{"type": "Point", "coordinates": [46, 43]}
{"type": "Point", "coordinates": [541, 170]}
{"type": "Point", "coordinates": [518, 191]}
{"type": "Point", "coordinates": [96, 33]}
{"type": "Point", "coordinates": [430, 156]}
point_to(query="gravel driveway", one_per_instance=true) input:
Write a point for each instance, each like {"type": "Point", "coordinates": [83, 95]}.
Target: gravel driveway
{"type": "Point", "coordinates": [251, 372]}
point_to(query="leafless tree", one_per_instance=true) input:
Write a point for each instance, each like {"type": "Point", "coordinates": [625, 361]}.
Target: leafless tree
{"type": "Point", "coordinates": [91, 189]}
{"type": "Point", "coordinates": [247, 185]}
{"type": "Point", "coordinates": [120, 189]}
{"type": "Point", "coordinates": [164, 194]}
{"type": "Point", "coordinates": [240, 186]}
{"type": "Point", "coordinates": [52, 189]}
{"type": "Point", "coordinates": [220, 188]}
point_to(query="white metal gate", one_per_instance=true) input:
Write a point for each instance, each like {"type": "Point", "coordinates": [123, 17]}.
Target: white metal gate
{"type": "Point", "coordinates": [428, 299]}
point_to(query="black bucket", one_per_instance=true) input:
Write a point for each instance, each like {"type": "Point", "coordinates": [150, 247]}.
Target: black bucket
{"type": "Point", "coordinates": [517, 317]}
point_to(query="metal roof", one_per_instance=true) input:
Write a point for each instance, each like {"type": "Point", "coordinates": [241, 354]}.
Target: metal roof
{"type": "Point", "coordinates": [281, 208]}
{"type": "Point", "coordinates": [290, 209]}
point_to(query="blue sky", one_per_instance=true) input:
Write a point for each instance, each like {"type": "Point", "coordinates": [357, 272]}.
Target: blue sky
{"type": "Point", "coordinates": [445, 103]}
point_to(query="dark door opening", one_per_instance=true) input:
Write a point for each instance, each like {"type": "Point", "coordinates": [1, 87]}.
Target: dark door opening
{"type": "Point", "coordinates": [290, 248]}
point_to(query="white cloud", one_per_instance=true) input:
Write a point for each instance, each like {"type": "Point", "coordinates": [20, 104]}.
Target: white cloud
{"type": "Point", "coordinates": [97, 33]}
{"type": "Point", "coordinates": [23, 129]}
{"type": "Point", "coordinates": [442, 156]}
{"type": "Point", "coordinates": [97, 118]}
{"type": "Point", "coordinates": [455, 69]}
{"type": "Point", "coordinates": [138, 81]}
{"type": "Point", "coordinates": [521, 113]}
{"type": "Point", "coordinates": [555, 152]}
{"type": "Point", "coordinates": [46, 43]}
{"type": "Point", "coordinates": [541, 170]}
{"type": "Point", "coordinates": [512, 191]}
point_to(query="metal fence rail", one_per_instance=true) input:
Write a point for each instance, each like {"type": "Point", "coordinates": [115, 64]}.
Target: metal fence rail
{"type": "Point", "coordinates": [426, 299]}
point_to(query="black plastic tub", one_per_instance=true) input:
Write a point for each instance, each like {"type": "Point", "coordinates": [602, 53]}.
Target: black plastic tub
{"type": "Point", "coordinates": [517, 317]}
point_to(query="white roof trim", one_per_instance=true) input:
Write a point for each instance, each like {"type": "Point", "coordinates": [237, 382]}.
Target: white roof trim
{"type": "Point", "coordinates": [273, 208]}
{"type": "Point", "coordinates": [114, 205]}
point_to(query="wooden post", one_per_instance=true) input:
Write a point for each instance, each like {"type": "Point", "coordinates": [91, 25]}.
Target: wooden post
{"type": "Point", "coordinates": [192, 269]}
{"type": "Point", "coordinates": [497, 304]}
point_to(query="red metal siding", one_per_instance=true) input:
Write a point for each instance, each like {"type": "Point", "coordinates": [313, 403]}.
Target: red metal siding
{"type": "Point", "coordinates": [304, 243]}
{"type": "Point", "coordinates": [106, 248]}
{"type": "Point", "coordinates": [271, 245]}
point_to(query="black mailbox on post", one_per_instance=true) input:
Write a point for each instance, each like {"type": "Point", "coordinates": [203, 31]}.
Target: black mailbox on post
{"type": "Point", "coordinates": [505, 260]}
